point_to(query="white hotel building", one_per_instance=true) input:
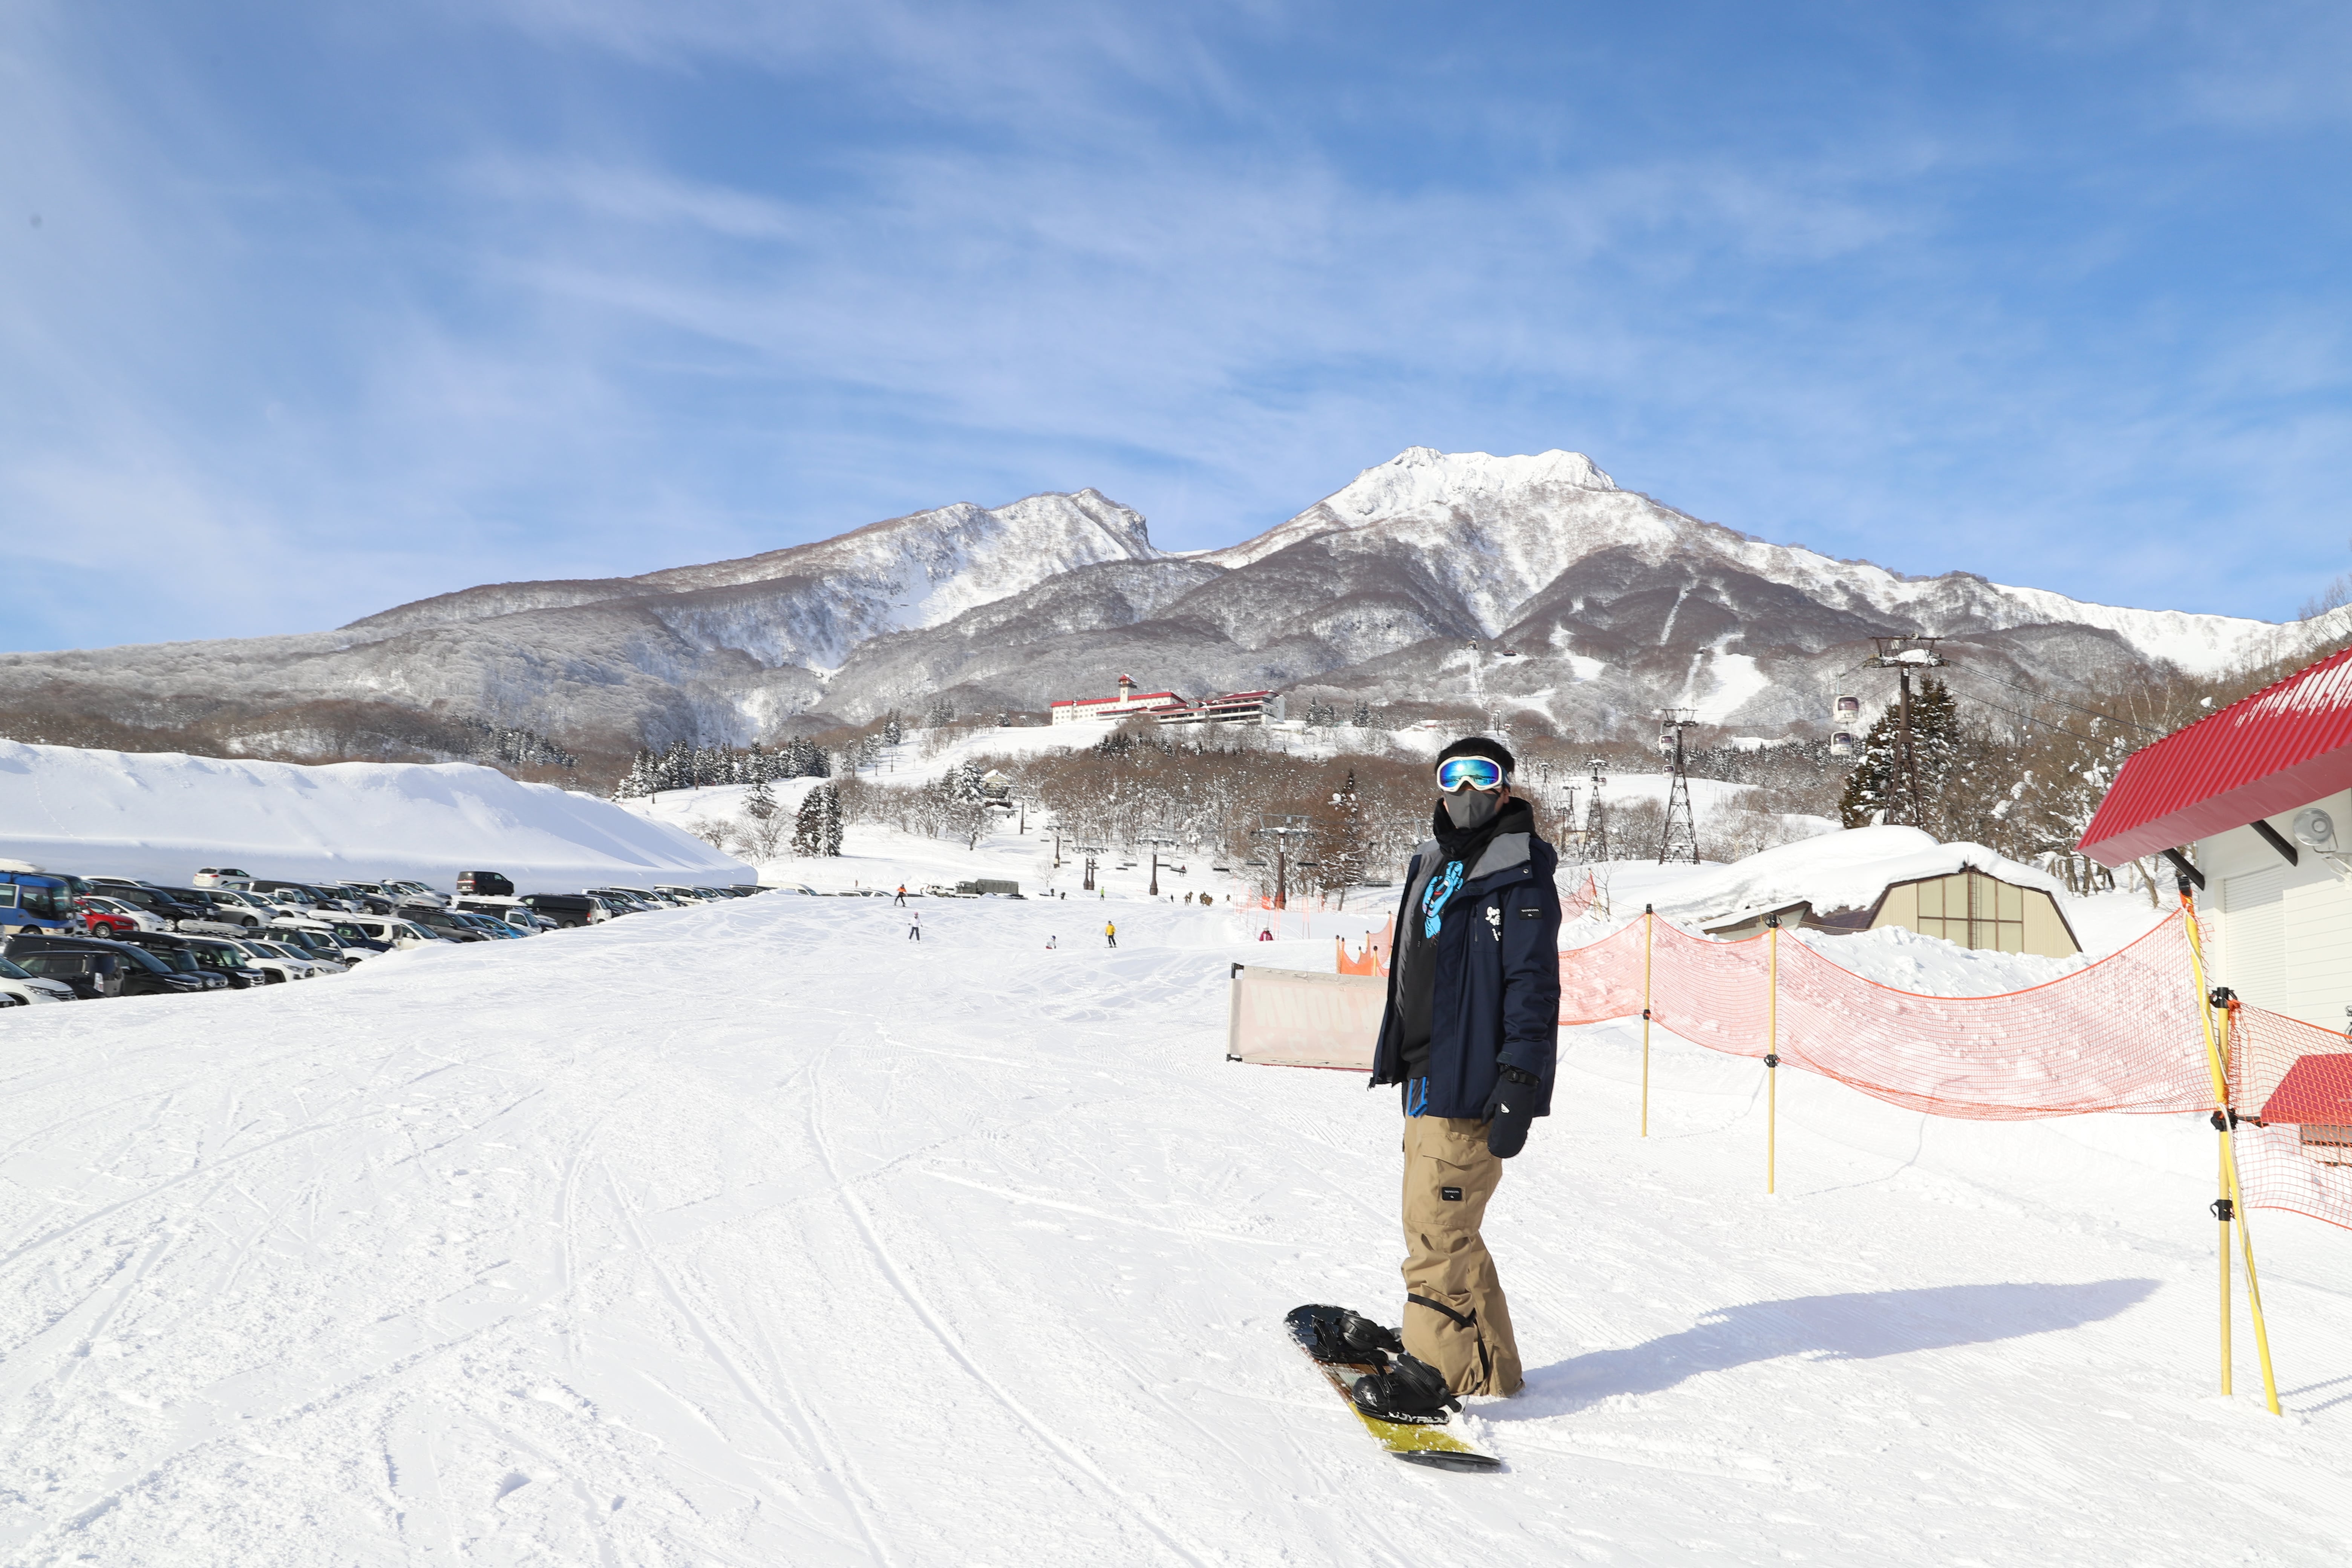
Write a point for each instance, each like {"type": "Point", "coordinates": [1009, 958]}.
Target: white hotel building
{"type": "Point", "coordinates": [1234, 706]}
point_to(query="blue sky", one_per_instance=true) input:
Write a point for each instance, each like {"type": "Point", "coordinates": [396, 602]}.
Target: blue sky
{"type": "Point", "coordinates": [310, 308]}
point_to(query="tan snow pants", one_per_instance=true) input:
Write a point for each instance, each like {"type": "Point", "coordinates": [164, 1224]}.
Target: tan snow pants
{"type": "Point", "coordinates": [1454, 1317]}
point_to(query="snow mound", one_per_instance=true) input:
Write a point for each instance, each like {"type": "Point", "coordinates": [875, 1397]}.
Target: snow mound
{"type": "Point", "coordinates": [1842, 870]}
{"type": "Point", "coordinates": [161, 814]}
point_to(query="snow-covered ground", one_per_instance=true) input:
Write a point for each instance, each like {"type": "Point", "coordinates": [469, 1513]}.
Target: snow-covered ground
{"type": "Point", "coordinates": [161, 815]}
{"type": "Point", "coordinates": [759, 1234]}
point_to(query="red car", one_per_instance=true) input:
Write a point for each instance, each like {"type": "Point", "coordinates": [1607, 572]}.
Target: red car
{"type": "Point", "coordinates": [106, 918]}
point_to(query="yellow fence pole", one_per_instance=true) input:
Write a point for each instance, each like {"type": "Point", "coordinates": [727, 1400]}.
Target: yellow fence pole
{"type": "Point", "coordinates": [2218, 1210]}
{"type": "Point", "coordinates": [1772, 1062]}
{"type": "Point", "coordinates": [1649, 916]}
{"type": "Point", "coordinates": [2234, 1198]}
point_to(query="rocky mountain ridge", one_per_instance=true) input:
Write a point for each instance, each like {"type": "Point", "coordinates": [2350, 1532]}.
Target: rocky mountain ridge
{"type": "Point", "coordinates": [1526, 583]}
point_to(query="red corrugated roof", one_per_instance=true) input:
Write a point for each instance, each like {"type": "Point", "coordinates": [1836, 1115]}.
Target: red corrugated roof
{"type": "Point", "coordinates": [2317, 1089]}
{"type": "Point", "coordinates": [2285, 746]}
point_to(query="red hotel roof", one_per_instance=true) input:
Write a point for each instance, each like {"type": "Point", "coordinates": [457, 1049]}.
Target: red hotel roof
{"type": "Point", "coordinates": [2285, 746]}
{"type": "Point", "coordinates": [1097, 701]}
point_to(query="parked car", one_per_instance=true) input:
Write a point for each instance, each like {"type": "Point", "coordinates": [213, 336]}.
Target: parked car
{"type": "Point", "coordinates": [138, 971]}
{"type": "Point", "coordinates": [168, 910]}
{"type": "Point", "coordinates": [21, 987]}
{"type": "Point", "coordinates": [411, 893]}
{"type": "Point", "coordinates": [325, 961]}
{"type": "Point", "coordinates": [279, 963]}
{"type": "Point", "coordinates": [221, 877]}
{"type": "Point", "coordinates": [391, 930]}
{"type": "Point", "coordinates": [210, 954]}
{"type": "Point", "coordinates": [567, 909]}
{"type": "Point", "coordinates": [215, 913]}
{"type": "Point", "coordinates": [303, 893]}
{"type": "Point", "coordinates": [239, 908]}
{"type": "Point", "coordinates": [338, 940]}
{"type": "Point", "coordinates": [490, 884]}
{"type": "Point", "coordinates": [446, 924]}
{"type": "Point", "coordinates": [108, 917]}
{"type": "Point", "coordinates": [507, 911]}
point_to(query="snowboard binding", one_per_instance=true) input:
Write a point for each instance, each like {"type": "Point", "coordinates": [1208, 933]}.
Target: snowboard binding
{"type": "Point", "coordinates": [1339, 1336]}
{"type": "Point", "coordinates": [1411, 1392]}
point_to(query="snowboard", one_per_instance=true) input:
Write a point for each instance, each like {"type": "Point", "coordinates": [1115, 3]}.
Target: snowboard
{"type": "Point", "coordinates": [1442, 1447]}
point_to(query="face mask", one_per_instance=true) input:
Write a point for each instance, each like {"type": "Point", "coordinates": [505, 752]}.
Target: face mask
{"type": "Point", "coordinates": [1469, 808]}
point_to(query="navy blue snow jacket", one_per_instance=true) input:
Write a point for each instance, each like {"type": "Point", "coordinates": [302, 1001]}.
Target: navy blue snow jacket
{"type": "Point", "coordinates": [1496, 997]}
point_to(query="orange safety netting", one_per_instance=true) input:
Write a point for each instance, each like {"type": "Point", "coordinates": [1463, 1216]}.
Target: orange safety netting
{"type": "Point", "coordinates": [2125, 1034]}
{"type": "Point", "coordinates": [2304, 1166]}
{"type": "Point", "coordinates": [1583, 898]}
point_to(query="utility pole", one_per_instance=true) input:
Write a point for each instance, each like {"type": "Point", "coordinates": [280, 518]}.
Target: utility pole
{"type": "Point", "coordinates": [1904, 655]}
{"type": "Point", "coordinates": [1596, 817]}
{"type": "Point", "coordinates": [1089, 851]}
{"type": "Point", "coordinates": [1671, 724]}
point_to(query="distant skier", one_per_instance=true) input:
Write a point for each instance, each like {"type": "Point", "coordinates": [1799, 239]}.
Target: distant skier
{"type": "Point", "coordinates": [1110, 933]}
{"type": "Point", "coordinates": [1051, 945]}
{"type": "Point", "coordinates": [1471, 1031]}
{"type": "Point", "coordinates": [901, 899]}
{"type": "Point", "coordinates": [1265, 934]}
{"type": "Point", "coordinates": [914, 925]}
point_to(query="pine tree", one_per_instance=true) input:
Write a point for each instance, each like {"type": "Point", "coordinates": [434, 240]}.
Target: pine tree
{"type": "Point", "coordinates": [828, 835]}
{"type": "Point", "coordinates": [893, 733]}
{"type": "Point", "coordinates": [640, 780]}
{"type": "Point", "coordinates": [808, 825]}
{"type": "Point", "coordinates": [1362, 717]}
{"type": "Point", "coordinates": [759, 801]}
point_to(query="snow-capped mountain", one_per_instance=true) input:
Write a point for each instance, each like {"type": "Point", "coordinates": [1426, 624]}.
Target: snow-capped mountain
{"type": "Point", "coordinates": [1529, 581]}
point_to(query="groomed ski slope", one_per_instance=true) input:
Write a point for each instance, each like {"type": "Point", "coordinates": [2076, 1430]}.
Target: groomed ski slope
{"type": "Point", "coordinates": [758, 1234]}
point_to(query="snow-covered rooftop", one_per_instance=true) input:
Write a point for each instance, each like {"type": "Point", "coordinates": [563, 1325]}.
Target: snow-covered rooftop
{"type": "Point", "coordinates": [1843, 870]}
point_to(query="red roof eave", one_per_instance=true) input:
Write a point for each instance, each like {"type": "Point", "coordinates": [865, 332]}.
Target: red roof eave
{"type": "Point", "coordinates": [2284, 747]}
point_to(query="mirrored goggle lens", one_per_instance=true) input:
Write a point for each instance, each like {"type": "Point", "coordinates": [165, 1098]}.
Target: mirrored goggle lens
{"type": "Point", "coordinates": [1477, 773]}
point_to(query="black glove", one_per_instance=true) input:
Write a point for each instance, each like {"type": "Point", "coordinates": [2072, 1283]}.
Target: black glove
{"type": "Point", "coordinates": [1510, 1111]}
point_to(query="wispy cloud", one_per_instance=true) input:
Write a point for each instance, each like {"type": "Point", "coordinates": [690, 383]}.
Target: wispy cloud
{"type": "Point", "coordinates": [559, 287]}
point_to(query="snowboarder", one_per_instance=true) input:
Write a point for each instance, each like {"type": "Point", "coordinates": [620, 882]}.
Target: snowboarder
{"type": "Point", "coordinates": [1470, 1032]}
{"type": "Point", "coordinates": [901, 899]}
{"type": "Point", "coordinates": [1265, 934]}
{"type": "Point", "coordinates": [1051, 945]}
{"type": "Point", "coordinates": [1110, 933]}
{"type": "Point", "coordinates": [914, 925]}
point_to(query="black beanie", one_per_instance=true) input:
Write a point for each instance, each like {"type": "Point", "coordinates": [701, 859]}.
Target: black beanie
{"type": "Point", "coordinates": [1480, 746]}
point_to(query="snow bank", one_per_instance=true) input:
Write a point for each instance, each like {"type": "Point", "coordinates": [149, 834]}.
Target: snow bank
{"type": "Point", "coordinates": [161, 814]}
{"type": "Point", "coordinates": [1842, 870]}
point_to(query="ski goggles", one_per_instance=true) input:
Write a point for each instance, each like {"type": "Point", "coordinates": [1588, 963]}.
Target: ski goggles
{"type": "Point", "coordinates": [1475, 773]}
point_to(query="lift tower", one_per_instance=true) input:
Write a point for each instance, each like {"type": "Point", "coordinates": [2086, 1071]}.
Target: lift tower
{"type": "Point", "coordinates": [1680, 834]}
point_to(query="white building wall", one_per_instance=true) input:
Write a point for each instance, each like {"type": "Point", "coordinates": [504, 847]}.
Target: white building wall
{"type": "Point", "coordinates": [2281, 935]}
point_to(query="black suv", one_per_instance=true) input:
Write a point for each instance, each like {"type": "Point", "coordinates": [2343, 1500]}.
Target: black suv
{"type": "Point", "coordinates": [210, 955]}
{"type": "Point", "coordinates": [485, 884]}
{"type": "Point", "coordinates": [111, 968]}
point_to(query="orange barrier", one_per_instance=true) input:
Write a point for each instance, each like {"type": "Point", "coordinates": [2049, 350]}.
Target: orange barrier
{"type": "Point", "coordinates": [1374, 957]}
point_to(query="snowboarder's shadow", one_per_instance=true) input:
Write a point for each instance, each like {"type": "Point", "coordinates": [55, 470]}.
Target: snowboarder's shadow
{"type": "Point", "coordinates": [1856, 1326]}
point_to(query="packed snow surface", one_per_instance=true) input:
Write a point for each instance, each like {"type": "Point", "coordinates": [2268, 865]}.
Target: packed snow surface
{"type": "Point", "coordinates": [759, 1234]}
{"type": "Point", "coordinates": [161, 815]}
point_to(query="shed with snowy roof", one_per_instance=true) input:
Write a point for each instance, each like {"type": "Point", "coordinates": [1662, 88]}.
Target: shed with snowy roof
{"type": "Point", "coordinates": [1867, 877]}
{"type": "Point", "coordinates": [2252, 803]}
